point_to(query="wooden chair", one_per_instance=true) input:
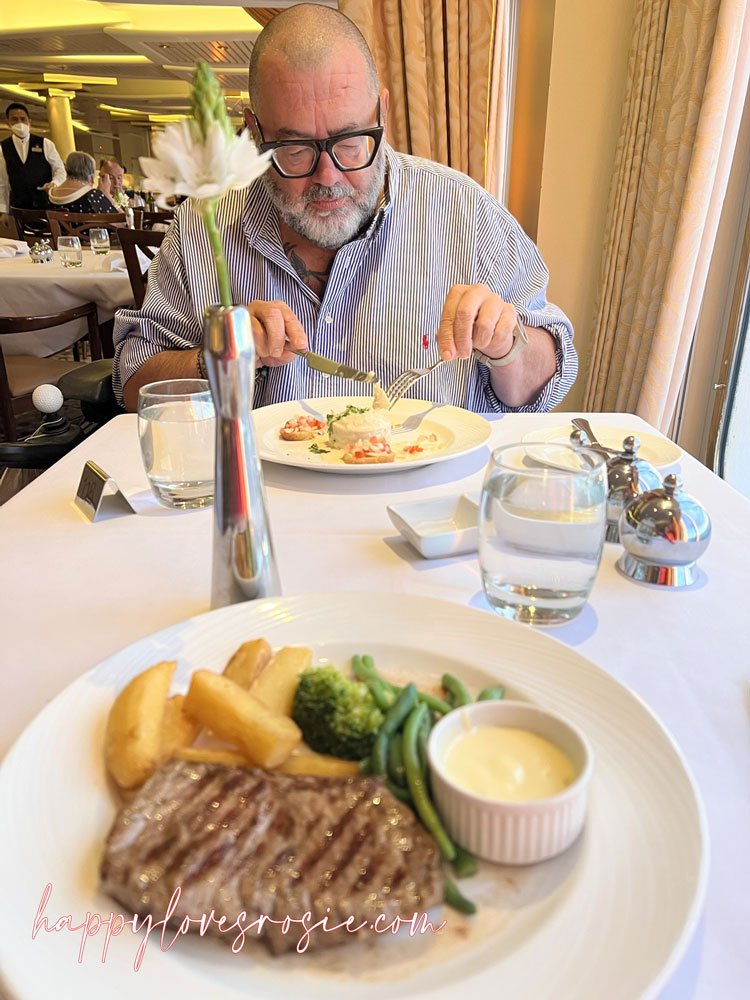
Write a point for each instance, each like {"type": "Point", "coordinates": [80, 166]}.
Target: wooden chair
{"type": "Point", "coordinates": [148, 242]}
{"type": "Point", "coordinates": [151, 219]}
{"type": "Point", "coordinates": [32, 224]}
{"type": "Point", "coordinates": [79, 223]}
{"type": "Point", "coordinates": [20, 374]}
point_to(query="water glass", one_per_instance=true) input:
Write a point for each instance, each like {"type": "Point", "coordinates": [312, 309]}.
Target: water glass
{"type": "Point", "coordinates": [177, 431]}
{"type": "Point", "coordinates": [99, 240]}
{"type": "Point", "coordinates": [542, 521]}
{"type": "Point", "coordinates": [69, 248]}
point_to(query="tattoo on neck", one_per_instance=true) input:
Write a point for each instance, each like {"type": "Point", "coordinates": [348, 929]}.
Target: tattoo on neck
{"type": "Point", "coordinates": [314, 279]}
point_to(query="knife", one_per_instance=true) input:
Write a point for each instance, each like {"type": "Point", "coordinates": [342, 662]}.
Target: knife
{"type": "Point", "coordinates": [329, 367]}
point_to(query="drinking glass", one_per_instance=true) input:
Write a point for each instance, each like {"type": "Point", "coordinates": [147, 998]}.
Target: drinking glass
{"type": "Point", "coordinates": [542, 521]}
{"type": "Point", "coordinates": [177, 430]}
{"type": "Point", "coordinates": [99, 239]}
{"type": "Point", "coordinates": [69, 248]}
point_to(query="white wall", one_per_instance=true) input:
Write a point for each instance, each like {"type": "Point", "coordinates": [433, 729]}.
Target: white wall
{"type": "Point", "coordinates": [587, 84]}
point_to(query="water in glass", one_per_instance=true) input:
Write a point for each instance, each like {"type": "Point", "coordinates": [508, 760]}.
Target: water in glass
{"type": "Point", "coordinates": [69, 248]}
{"type": "Point", "coordinates": [99, 239]}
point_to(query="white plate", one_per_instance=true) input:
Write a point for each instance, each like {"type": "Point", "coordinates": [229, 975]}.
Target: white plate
{"type": "Point", "coordinates": [609, 918]}
{"type": "Point", "coordinates": [659, 451]}
{"type": "Point", "coordinates": [459, 432]}
{"type": "Point", "coordinates": [441, 527]}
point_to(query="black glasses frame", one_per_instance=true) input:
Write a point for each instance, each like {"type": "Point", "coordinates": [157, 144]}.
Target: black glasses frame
{"type": "Point", "coordinates": [323, 145]}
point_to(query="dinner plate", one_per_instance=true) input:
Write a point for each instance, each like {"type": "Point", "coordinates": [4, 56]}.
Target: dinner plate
{"type": "Point", "coordinates": [659, 451]}
{"type": "Point", "coordinates": [609, 918]}
{"type": "Point", "coordinates": [458, 432]}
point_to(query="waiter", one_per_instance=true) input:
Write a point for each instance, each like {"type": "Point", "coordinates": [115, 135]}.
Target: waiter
{"type": "Point", "coordinates": [29, 165]}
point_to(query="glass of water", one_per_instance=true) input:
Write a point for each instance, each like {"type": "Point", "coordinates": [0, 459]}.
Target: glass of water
{"type": "Point", "coordinates": [177, 431]}
{"type": "Point", "coordinates": [69, 248]}
{"type": "Point", "coordinates": [542, 521]}
{"type": "Point", "coordinates": [99, 240]}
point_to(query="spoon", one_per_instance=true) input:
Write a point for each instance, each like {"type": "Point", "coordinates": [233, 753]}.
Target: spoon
{"type": "Point", "coordinates": [581, 424]}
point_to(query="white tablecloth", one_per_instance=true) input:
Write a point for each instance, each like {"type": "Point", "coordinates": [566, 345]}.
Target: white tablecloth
{"type": "Point", "coordinates": [75, 592]}
{"type": "Point", "coordinates": [28, 289]}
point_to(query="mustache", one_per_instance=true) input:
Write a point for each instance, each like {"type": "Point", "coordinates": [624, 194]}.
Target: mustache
{"type": "Point", "coordinates": [320, 192]}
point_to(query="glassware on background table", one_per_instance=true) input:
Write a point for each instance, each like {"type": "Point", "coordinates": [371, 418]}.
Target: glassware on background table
{"type": "Point", "coordinates": [177, 430]}
{"type": "Point", "coordinates": [69, 248]}
{"type": "Point", "coordinates": [542, 520]}
{"type": "Point", "coordinates": [99, 240]}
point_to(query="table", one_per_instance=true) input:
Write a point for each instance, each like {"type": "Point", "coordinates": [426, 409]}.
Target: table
{"type": "Point", "coordinates": [68, 603]}
{"type": "Point", "coordinates": [28, 289]}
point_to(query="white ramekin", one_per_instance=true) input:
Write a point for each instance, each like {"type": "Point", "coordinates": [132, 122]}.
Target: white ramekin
{"type": "Point", "coordinates": [511, 833]}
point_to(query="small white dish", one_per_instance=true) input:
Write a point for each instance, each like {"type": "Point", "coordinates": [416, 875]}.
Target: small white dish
{"type": "Point", "coordinates": [445, 526]}
{"type": "Point", "coordinates": [511, 833]}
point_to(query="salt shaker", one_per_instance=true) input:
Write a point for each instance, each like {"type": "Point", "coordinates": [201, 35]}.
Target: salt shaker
{"type": "Point", "coordinates": [244, 567]}
{"type": "Point", "coordinates": [628, 476]}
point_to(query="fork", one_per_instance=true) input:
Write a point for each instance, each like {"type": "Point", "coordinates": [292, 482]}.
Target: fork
{"type": "Point", "coordinates": [406, 380]}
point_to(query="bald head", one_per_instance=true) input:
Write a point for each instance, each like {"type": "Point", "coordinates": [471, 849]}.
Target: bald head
{"type": "Point", "coordinates": [307, 37]}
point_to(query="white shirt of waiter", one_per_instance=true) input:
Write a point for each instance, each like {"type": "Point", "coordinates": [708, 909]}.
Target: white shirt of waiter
{"type": "Point", "coordinates": [22, 148]}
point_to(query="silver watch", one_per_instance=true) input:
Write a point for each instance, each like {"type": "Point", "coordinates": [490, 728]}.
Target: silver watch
{"type": "Point", "coordinates": [520, 340]}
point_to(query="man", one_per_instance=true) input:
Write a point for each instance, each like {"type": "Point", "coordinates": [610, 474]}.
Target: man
{"type": "Point", "coordinates": [111, 175]}
{"type": "Point", "coordinates": [29, 165]}
{"type": "Point", "coordinates": [352, 250]}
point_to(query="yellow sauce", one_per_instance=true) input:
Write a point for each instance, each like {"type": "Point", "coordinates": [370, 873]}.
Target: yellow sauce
{"type": "Point", "coordinates": [510, 765]}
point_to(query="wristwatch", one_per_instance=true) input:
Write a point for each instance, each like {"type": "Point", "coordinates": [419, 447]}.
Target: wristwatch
{"type": "Point", "coordinates": [520, 340]}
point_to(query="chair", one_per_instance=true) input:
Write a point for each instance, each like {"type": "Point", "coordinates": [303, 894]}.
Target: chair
{"type": "Point", "coordinates": [79, 223]}
{"type": "Point", "coordinates": [32, 224]}
{"type": "Point", "coordinates": [21, 374]}
{"type": "Point", "coordinates": [151, 219]}
{"type": "Point", "coordinates": [147, 241]}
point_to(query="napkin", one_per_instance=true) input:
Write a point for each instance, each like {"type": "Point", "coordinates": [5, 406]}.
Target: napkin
{"type": "Point", "coordinates": [117, 261]}
{"type": "Point", "coordinates": [13, 248]}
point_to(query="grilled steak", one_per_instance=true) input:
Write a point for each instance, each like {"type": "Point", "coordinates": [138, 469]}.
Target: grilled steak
{"type": "Point", "coordinates": [236, 839]}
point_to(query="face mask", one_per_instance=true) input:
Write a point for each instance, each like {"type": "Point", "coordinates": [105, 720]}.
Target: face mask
{"type": "Point", "coordinates": [21, 130]}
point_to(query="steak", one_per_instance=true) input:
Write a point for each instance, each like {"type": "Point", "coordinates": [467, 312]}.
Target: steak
{"type": "Point", "coordinates": [237, 839]}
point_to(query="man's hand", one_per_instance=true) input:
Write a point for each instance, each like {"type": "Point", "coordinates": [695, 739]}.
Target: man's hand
{"type": "Point", "coordinates": [474, 316]}
{"type": "Point", "coordinates": [6, 219]}
{"type": "Point", "coordinates": [276, 329]}
{"type": "Point", "coordinates": [105, 185]}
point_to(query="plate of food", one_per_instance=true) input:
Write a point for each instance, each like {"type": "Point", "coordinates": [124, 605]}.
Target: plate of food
{"type": "Point", "coordinates": [359, 434]}
{"type": "Point", "coordinates": [659, 451]}
{"type": "Point", "coordinates": [115, 795]}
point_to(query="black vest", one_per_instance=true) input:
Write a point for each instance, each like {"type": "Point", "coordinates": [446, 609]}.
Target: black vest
{"type": "Point", "coordinates": [26, 177]}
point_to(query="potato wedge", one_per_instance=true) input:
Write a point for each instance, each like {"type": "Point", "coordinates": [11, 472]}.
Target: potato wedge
{"type": "Point", "coordinates": [206, 755]}
{"type": "Point", "coordinates": [237, 716]}
{"type": "Point", "coordinates": [178, 729]}
{"type": "Point", "coordinates": [309, 762]}
{"type": "Point", "coordinates": [248, 662]}
{"type": "Point", "coordinates": [132, 743]}
{"type": "Point", "coordinates": [277, 685]}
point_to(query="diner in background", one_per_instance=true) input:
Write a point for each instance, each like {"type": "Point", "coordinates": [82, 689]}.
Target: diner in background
{"type": "Point", "coordinates": [348, 248]}
{"type": "Point", "coordinates": [29, 165]}
{"type": "Point", "coordinates": [78, 193]}
{"type": "Point", "coordinates": [112, 184]}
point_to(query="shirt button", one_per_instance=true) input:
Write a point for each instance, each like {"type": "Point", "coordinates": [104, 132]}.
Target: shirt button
{"type": "Point", "coordinates": [329, 318]}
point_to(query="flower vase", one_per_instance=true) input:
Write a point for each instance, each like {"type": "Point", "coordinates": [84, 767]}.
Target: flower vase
{"type": "Point", "coordinates": [243, 565]}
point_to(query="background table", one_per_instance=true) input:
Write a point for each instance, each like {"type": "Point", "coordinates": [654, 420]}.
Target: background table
{"type": "Point", "coordinates": [28, 289]}
{"type": "Point", "coordinates": [76, 592]}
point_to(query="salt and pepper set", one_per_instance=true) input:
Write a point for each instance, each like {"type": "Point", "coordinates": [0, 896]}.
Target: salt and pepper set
{"type": "Point", "coordinates": [662, 529]}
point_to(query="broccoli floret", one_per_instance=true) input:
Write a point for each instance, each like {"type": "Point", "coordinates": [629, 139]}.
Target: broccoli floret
{"type": "Point", "coordinates": [337, 716]}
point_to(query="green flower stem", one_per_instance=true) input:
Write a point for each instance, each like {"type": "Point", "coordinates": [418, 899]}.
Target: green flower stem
{"type": "Point", "coordinates": [208, 211]}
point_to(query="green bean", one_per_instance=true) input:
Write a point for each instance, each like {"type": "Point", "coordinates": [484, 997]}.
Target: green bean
{"type": "Point", "coordinates": [393, 720]}
{"type": "Point", "coordinates": [423, 736]}
{"type": "Point", "coordinates": [379, 690]}
{"type": "Point", "coordinates": [365, 765]}
{"type": "Point", "coordinates": [464, 864]}
{"type": "Point", "coordinates": [433, 703]}
{"type": "Point", "coordinates": [453, 898]}
{"type": "Point", "coordinates": [379, 756]}
{"type": "Point", "coordinates": [416, 781]}
{"type": "Point", "coordinates": [396, 769]}
{"type": "Point", "coordinates": [456, 690]}
{"type": "Point", "coordinates": [492, 693]}
{"type": "Point", "coordinates": [400, 793]}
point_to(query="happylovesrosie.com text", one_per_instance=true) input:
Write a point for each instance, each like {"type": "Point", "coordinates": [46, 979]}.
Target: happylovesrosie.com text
{"type": "Point", "coordinates": [113, 924]}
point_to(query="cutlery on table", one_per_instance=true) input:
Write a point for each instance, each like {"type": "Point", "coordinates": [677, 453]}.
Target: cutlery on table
{"type": "Point", "coordinates": [581, 424]}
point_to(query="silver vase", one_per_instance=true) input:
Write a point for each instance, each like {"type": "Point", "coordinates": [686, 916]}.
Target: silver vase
{"type": "Point", "coordinates": [244, 567]}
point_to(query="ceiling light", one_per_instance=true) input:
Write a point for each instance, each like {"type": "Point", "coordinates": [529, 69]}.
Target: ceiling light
{"type": "Point", "coordinates": [109, 81]}
{"type": "Point", "coordinates": [121, 111]}
{"type": "Point", "coordinates": [30, 95]}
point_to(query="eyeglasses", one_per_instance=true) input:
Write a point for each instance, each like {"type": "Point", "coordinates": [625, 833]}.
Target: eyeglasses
{"type": "Point", "coordinates": [348, 150]}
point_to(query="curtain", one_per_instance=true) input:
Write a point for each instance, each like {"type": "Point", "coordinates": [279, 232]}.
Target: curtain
{"type": "Point", "coordinates": [687, 77]}
{"type": "Point", "coordinates": [443, 62]}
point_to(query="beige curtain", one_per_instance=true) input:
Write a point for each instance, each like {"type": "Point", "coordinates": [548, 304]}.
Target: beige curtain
{"type": "Point", "coordinates": [687, 76]}
{"type": "Point", "coordinates": [443, 63]}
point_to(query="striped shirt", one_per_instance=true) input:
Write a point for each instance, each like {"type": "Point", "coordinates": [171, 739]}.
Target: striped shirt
{"type": "Point", "coordinates": [384, 297]}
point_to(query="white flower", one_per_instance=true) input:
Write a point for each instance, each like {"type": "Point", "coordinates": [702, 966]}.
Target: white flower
{"type": "Point", "coordinates": [185, 164]}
